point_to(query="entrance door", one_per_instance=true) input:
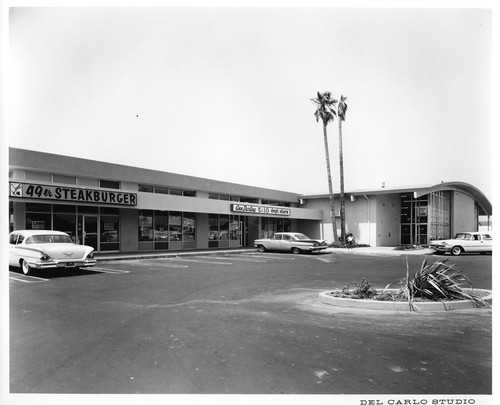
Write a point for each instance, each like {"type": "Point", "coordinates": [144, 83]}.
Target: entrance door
{"type": "Point", "coordinates": [89, 231]}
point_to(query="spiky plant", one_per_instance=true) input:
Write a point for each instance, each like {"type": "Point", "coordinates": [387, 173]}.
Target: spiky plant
{"type": "Point", "coordinates": [438, 281]}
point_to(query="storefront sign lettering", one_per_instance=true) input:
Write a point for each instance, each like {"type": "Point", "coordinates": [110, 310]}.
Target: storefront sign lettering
{"type": "Point", "coordinates": [80, 195]}
{"type": "Point", "coordinates": [257, 209]}
{"type": "Point", "coordinates": [37, 224]}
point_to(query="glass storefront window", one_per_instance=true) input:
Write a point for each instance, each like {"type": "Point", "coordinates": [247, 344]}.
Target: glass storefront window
{"type": "Point", "coordinates": [175, 226]}
{"type": "Point", "coordinates": [213, 227]}
{"type": "Point", "coordinates": [110, 233]}
{"type": "Point", "coordinates": [161, 227]}
{"type": "Point", "coordinates": [36, 220]}
{"type": "Point", "coordinates": [66, 223]}
{"type": "Point", "coordinates": [224, 227]}
{"type": "Point", "coordinates": [188, 227]}
{"type": "Point", "coordinates": [234, 227]}
{"type": "Point", "coordinates": [145, 226]}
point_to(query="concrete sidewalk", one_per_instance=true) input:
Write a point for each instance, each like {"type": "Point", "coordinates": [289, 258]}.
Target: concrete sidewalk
{"type": "Point", "coordinates": [365, 251]}
{"type": "Point", "coordinates": [381, 251]}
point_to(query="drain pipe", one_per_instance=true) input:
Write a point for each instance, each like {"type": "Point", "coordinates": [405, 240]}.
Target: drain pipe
{"type": "Point", "coordinates": [368, 217]}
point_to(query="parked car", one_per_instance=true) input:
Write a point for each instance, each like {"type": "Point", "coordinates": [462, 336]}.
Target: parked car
{"type": "Point", "coordinates": [37, 249]}
{"type": "Point", "coordinates": [464, 242]}
{"type": "Point", "coordinates": [290, 242]}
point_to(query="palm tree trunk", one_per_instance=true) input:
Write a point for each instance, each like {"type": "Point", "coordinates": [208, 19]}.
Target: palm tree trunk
{"type": "Point", "coordinates": [330, 187]}
{"type": "Point", "coordinates": [342, 196]}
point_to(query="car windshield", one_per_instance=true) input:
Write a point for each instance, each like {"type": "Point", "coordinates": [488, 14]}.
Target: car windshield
{"type": "Point", "coordinates": [49, 239]}
{"type": "Point", "coordinates": [299, 236]}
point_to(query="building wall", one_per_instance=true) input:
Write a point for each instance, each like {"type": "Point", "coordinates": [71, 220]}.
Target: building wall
{"type": "Point", "coordinates": [361, 219]}
{"type": "Point", "coordinates": [388, 208]}
{"type": "Point", "coordinates": [361, 214]}
{"type": "Point", "coordinates": [462, 213]}
{"type": "Point", "coordinates": [128, 230]}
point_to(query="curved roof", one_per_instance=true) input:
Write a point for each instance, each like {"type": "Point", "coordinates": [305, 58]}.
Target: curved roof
{"type": "Point", "coordinates": [468, 189]}
{"type": "Point", "coordinates": [485, 206]}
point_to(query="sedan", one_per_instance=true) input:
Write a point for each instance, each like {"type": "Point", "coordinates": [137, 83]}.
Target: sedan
{"type": "Point", "coordinates": [36, 249]}
{"type": "Point", "coordinates": [464, 242]}
{"type": "Point", "coordinates": [290, 242]}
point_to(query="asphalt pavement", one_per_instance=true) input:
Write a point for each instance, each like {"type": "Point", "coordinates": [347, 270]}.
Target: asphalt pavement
{"type": "Point", "coordinates": [240, 322]}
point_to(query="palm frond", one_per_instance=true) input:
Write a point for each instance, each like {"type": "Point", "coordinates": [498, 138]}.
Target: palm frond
{"type": "Point", "coordinates": [324, 107]}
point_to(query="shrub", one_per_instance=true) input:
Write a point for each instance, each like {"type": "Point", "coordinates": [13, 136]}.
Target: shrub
{"type": "Point", "coordinates": [364, 289]}
{"type": "Point", "coordinates": [436, 282]}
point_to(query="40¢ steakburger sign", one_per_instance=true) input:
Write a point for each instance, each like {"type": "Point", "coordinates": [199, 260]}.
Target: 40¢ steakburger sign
{"type": "Point", "coordinates": [71, 194]}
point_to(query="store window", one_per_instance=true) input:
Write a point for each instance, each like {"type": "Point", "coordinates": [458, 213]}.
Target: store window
{"type": "Point", "coordinates": [175, 226]}
{"type": "Point", "coordinates": [188, 227]}
{"type": "Point", "coordinates": [234, 227]}
{"type": "Point", "coordinates": [213, 230]}
{"type": "Point", "coordinates": [145, 226]}
{"type": "Point", "coordinates": [145, 189]}
{"type": "Point", "coordinates": [38, 216]}
{"type": "Point", "coordinates": [161, 190]}
{"type": "Point", "coordinates": [110, 233]}
{"type": "Point", "coordinates": [109, 184]}
{"type": "Point", "coordinates": [189, 193]}
{"type": "Point", "coordinates": [161, 230]}
{"type": "Point", "coordinates": [64, 219]}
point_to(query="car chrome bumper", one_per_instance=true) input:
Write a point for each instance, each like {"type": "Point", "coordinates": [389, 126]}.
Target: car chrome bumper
{"type": "Point", "coordinates": [66, 264]}
{"type": "Point", "coordinates": [442, 249]}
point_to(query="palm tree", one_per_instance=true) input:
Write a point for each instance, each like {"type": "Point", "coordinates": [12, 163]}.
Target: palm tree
{"type": "Point", "coordinates": [325, 110]}
{"type": "Point", "coordinates": [342, 109]}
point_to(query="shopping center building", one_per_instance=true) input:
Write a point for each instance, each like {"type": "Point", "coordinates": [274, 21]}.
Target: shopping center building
{"type": "Point", "coordinates": [118, 208]}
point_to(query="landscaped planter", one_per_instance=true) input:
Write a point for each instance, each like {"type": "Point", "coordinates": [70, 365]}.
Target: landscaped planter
{"type": "Point", "coordinates": [427, 306]}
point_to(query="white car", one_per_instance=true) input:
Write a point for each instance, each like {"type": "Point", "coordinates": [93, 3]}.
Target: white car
{"type": "Point", "coordinates": [465, 242]}
{"type": "Point", "coordinates": [290, 241]}
{"type": "Point", "coordinates": [36, 249]}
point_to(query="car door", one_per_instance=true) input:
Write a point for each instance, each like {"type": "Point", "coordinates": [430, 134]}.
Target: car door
{"type": "Point", "coordinates": [274, 242]}
{"type": "Point", "coordinates": [487, 242]}
{"type": "Point", "coordinates": [285, 243]}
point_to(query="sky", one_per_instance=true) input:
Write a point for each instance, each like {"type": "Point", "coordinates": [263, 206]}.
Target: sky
{"type": "Point", "coordinates": [225, 93]}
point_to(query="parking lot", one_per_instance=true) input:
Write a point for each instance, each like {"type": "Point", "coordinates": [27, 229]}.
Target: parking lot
{"type": "Point", "coordinates": [242, 323]}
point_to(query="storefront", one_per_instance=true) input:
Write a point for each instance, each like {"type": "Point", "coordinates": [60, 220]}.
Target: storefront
{"type": "Point", "coordinates": [117, 208]}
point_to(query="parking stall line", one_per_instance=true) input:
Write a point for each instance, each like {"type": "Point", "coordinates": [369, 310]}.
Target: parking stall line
{"type": "Point", "coordinates": [235, 258]}
{"type": "Point", "coordinates": [269, 256]}
{"type": "Point", "coordinates": [35, 279]}
{"type": "Point", "coordinates": [110, 271]}
{"type": "Point", "coordinates": [197, 261]}
{"type": "Point", "coordinates": [162, 262]}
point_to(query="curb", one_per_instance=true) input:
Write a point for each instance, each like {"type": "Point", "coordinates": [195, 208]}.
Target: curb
{"type": "Point", "coordinates": [153, 255]}
{"type": "Point", "coordinates": [441, 306]}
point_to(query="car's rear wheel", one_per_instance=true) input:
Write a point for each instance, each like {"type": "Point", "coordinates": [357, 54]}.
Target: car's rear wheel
{"type": "Point", "coordinates": [456, 250]}
{"type": "Point", "coordinates": [262, 249]}
{"type": "Point", "coordinates": [295, 251]}
{"type": "Point", "coordinates": [27, 270]}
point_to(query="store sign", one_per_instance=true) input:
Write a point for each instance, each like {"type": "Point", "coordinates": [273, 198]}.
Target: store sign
{"type": "Point", "coordinates": [72, 194]}
{"type": "Point", "coordinates": [257, 209]}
